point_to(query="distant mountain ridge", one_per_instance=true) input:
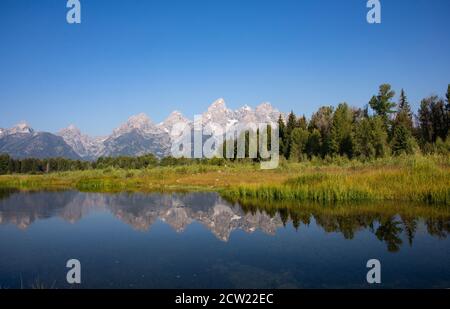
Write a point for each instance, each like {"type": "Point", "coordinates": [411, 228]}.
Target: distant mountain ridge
{"type": "Point", "coordinates": [137, 136]}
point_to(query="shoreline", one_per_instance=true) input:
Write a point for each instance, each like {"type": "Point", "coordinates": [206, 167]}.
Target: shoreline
{"type": "Point", "coordinates": [411, 178]}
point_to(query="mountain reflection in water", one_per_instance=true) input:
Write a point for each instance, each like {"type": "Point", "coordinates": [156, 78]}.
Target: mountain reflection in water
{"type": "Point", "coordinates": [386, 221]}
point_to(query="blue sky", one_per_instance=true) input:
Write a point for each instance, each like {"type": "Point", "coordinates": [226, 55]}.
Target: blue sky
{"type": "Point", "coordinates": [132, 56]}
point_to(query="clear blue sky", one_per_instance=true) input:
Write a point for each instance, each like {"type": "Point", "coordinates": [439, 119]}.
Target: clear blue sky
{"type": "Point", "coordinates": [132, 56]}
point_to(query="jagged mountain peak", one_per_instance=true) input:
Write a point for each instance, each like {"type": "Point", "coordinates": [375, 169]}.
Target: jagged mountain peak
{"type": "Point", "coordinates": [139, 119]}
{"type": "Point", "coordinates": [71, 129]}
{"type": "Point", "coordinates": [138, 136]}
{"type": "Point", "coordinates": [173, 119]}
{"type": "Point", "coordinates": [217, 105]}
{"type": "Point", "coordinates": [21, 127]}
{"type": "Point", "coordinates": [265, 112]}
{"type": "Point", "coordinates": [84, 145]}
{"type": "Point", "coordinates": [175, 116]}
{"type": "Point", "coordinates": [218, 113]}
{"type": "Point", "coordinates": [246, 108]}
{"type": "Point", "coordinates": [176, 113]}
{"type": "Point", "coordinates": [140, 122]}
{"type": "Point", "coordinates": [265, 106]}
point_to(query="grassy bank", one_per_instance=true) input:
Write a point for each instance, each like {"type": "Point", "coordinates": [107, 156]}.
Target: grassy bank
{"type": "Point", "coordinates": [412, 178]}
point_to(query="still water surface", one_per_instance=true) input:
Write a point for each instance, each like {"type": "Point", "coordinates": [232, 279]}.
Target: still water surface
{"type": "Point", "coordinates": [200, 240]}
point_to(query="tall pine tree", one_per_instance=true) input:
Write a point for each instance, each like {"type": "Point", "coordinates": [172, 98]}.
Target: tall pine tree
{"type": "Point", "coordinates": [382, 104]}
{"type": "Point", "coordinates": [402, 129]}
{"type": "Point", "coordinates": [447, 109]}
{"type": "Point", "coordinates": [341, 142]}
{"type": "Point", "coordinates": [290, 126]}
{"type": "Point", "coordinates": [404, 114]}
{"type": "Point", "coordinates": [282, 134]}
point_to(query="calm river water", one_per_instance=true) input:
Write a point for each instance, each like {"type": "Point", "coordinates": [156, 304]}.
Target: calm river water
{"type": "Point", "coordinates": [200, 240]}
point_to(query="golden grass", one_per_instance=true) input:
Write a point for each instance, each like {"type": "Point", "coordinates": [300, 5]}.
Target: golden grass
{"type": "Point", "coordinates": [419, 180]}
{"type": "Point", "coordinates": [411, 178]}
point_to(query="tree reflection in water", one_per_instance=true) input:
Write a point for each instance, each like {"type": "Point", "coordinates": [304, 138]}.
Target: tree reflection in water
{"type": "Point", "coordinates": [389, 222]}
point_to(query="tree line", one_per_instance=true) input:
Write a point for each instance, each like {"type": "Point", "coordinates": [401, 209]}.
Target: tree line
{"type": "Point", "coordinates": [9, 165]}
{"type": "Point", "coordinates": [383, 127]}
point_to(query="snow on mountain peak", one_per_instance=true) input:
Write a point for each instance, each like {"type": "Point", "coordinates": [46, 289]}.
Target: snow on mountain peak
{"type": "Point", "coordinates": [245, 114]}
{"type": "Point", "coordinates": [218, 113]}
{"type": "Point", "coordinates": [21, 127]}
{"type": "Point", "coordinates": [265, 106]}
{"type": "Point", "coordinates": [72, 127]}
{"type": "Point", "coordinates": [138, 120]}
{"type": "Point", "coordinates": [175, 116]}
{"type": "Point", "coordinates": [218, 104]}
{"type": "Point", "coordinates": [246, 108]}
{"type": "Point", "coordinates": [70, 130]}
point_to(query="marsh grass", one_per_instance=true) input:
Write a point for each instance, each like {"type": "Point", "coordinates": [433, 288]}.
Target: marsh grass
{"type": "Point", "coordinates": [404, 178]}
{"type": "Point", "coordinates": [411, 179]}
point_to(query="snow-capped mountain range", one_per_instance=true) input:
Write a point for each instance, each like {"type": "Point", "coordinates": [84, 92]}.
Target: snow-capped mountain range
{"type": "Point", "coordinates": [137, 136]}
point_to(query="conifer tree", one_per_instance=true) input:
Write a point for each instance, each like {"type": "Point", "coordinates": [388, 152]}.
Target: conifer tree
{"type": "Point", "coordinates": [404, 114]}
{"type": "Point", "coordinates": [402, 128]}
{"type": "Point", "coordinates": [282, 134]}
{"type": "Point", "coordinates": [402, 140]}
{"type": "Point", "coordinates": [290, 126]}
{"type": "Point", "coordinates": [302, 123]}
{"type": "Point", "coordinates": [447, 109]}
{"type": "Point", "coordinates": [382, 104]}
{"type": "Point", "coordinates": [299, 139]}
{"type": "Point", "coordinates": [341, 131]}
{"type": "Point", "coordinates": [313, 145]}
